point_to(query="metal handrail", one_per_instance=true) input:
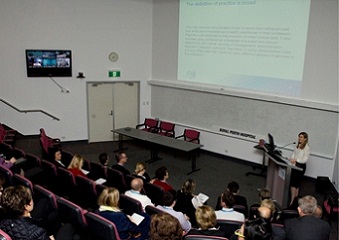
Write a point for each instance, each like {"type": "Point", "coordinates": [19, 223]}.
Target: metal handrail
{"type": "Point", "coordinates": [29, 111]}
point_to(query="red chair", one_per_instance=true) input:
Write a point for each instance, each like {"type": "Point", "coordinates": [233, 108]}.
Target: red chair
{"type": "Point", "coordinates": [149, 125]}
{"type": "Point", "coordinates": [166, 129]}
{"type": "Point", "coordinates": [191, 135]}
{"type": "Point", "coordinates": [331, 205]}
{"type": "Point", "coordinates": [101, 228]}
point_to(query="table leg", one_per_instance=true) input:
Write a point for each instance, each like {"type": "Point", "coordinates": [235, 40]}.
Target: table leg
{"type": "Point", "coordinates": [194, 162]}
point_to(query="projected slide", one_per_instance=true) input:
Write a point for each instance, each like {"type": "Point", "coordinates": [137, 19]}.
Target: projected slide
{"type": "Point", "coordinates": [255, 45]}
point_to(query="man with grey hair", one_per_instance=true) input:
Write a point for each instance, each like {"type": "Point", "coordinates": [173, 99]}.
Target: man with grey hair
{"type": "Point", "coordinates": [307, 226]}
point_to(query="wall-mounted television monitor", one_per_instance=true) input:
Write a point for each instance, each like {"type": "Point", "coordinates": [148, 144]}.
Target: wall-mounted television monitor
{"type": "Point", "coordinates": [49, 63]}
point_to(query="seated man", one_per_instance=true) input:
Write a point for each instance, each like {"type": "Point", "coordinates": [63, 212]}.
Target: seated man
{"type": "Point", "coordinates": [169, 201]}
{"type": "Point", "coordinates": [233, 187]}
{"type": "Point", "coordinates": [121, 159]}
{"type": "Point", "coordinates": [104, 159]}
{"type": "Point", "coordinates": [161, 175]}
{"type": "Point", "coordinates": [227, 212]}
{"type": "Point", "coordinates": [137, 185]}
{"type": "Point", "coordinates": [307, 226]}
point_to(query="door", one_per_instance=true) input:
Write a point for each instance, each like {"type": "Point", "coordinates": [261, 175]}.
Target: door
{"type": "Point", "coordinates": [111, 106]}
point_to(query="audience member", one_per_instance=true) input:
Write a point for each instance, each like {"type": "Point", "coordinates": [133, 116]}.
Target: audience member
{"type": "Point", "coordinates": [169, 201]}
{"type": "Point", "coordinates": [257, 229]}
{"type": "Point", "coordinates": [165, 227]}
{"type": "Point", "coordinates": [227, 212]}
{"type": "Point", "coordinates": [9, 161]}
{"type": "Point", "coordinates": [121, 159]}
{"type": "Point", "coordinates": [206, 220]}
{"type": "Point", "coordinates": [137, 186]}
{"type": "Point", "coordinates": [161, 176]}
{"type": "Point", "coordinates": [56, 158]}
{"type": "Point", "coordinates": [104, 159]}
{"type": "Point", "coordinates": [265, 212]}
{"type": "Point", "coordinates": [234, 188]}
{"type": "Point", "coordinates": [184, 200]}
{"type": "Point", "coordinates": [75, 166]}
{"type": "Point", "coordinates": [140, 172]}
{"type": "Point", "coordinates": [269, 203]}
{"type": "Point", "coordinates": [108, 208]}
{"type": "Point", "coordinates": [307, 226]}
{"type": "Point", "coordinates": [318, 212]}
{"type": "Point", "coordinates": [264, 194]}
{"type": "Point", "coordinates": [18, 224]}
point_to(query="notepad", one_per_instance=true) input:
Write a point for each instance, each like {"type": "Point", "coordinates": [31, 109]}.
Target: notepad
{"type": "Point", "coordinates": [85, 171]}
{"type": "Point", "coordinates": [137, 218]}
{"type": "Point", "coordinates": [100, 181]}
{"type": "Point", "coordinates": [199, 200]}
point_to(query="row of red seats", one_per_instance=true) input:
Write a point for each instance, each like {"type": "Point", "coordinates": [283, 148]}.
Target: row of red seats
{"type": "Point", "coordinates": [165, 128]}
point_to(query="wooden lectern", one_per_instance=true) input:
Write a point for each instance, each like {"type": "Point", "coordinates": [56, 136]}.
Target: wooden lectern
{"type": "Point", "coordinates": [278, 177]}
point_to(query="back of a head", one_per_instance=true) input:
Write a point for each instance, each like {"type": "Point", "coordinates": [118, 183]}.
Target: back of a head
{"type": "Point", "coordinates": [307, 205]}
{"type": "Point", "coordinates": [160, 173]}
{"type": "Point", "coordinates": [233, 187]}
{"type": "Point", "coordinates": [109, 197]}
{"type": "Point", "coordinates": [228, 198]}
{"type": "Point", "coordinates": [119, 155]}
{"type": "Point", "coordinates": [264, 194]}
{"type": "Point", "coordinates": [103, 157]}
{"type": "Point", "coordinates": [269, 204]}
{"type": "Point", "coordinates": [76, 162]}
{"type": "Point", "coordinates": [165, 227]}
{"type": "Point", "coordinates": [188, 186]}
{"type": "Point", "coordinates": [258, 229]}
{"type": "Point", "coordinates": [206, 217]}
{"type": "Point", "coordinates": [14, 199]}
{"type": "Point", "coordinates": [140, 166]}
{"type": "Point", "coordinates": [137, 184]}
{"type": "Point", "coordinates": [168, 199]}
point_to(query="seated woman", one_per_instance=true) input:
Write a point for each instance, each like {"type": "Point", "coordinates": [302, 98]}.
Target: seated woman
{"type": "Point", "coordinates": [184, 200]}
{"type": "Point", "coordinates": [257, 229]}
{"type": "Point", "coordinates": [18, 224]}
{"type": "Point", "coordinates": [108, 208]}
{"type": "Point", "coordinates": [140, 171]}
{"type": "Point", "coordinates": [206, 220]}
{"type": "Point", "coordinates": [76, 166]}
{"type": "Point", "coordinates": [165, 227]}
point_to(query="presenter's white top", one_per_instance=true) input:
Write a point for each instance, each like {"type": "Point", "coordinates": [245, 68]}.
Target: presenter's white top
{"type": "Point", "coordinates": [301, 155]}
{"type": "Point", "coordinates": [230, 214]}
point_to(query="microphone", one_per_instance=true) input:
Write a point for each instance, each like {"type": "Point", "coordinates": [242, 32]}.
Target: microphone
{"type": "Point", "coordinates": [277, 151]}
{"type": "Point", "coordinates": [288, 145]}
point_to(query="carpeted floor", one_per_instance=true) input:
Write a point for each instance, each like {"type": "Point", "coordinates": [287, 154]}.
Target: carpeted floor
{"type": "Point", "coordinates": [216, 170]}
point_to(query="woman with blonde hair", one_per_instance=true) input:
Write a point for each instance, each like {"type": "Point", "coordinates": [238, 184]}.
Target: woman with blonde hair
{"type": "Point", "coordinates": [75, 167]}
{"type": "Point", "coordinates": [108, 202]}
{"type": "Point", "coordinates": [140, 172]}
{"type": "Point", "coordinates": [207, 221]}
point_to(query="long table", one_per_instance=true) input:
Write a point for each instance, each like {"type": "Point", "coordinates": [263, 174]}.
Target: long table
{"type": "Point", "coordinates": [158, 140]}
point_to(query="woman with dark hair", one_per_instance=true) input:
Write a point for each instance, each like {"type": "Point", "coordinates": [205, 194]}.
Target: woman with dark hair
{"type": "Point", "coordinates": [165, 227]}
{"type": "Point", "coordinates": [18, 204]}
{"type": "Point", "coordinates": [184, 200]}
{"type": "Point", "coordinates": [257, 229]}
{"type": "Point", "coordinates": [299, 158]}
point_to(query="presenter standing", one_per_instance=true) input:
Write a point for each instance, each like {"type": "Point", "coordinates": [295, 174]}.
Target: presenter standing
{"type": "Point", "coordinates": [299, 158]}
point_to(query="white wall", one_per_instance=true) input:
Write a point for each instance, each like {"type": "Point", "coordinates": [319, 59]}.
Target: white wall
{"type": "Point", "coordinates": [321, 88]}
{"type": "Point", "coordinates": [91, 29]}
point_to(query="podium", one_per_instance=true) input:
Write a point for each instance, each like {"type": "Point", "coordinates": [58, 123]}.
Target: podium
{"type": "Point", "coordinates": [278, 176]}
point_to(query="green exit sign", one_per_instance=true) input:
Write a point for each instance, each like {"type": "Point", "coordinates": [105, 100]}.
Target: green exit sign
{"type": "Point", "coordinates": [113, 74]}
